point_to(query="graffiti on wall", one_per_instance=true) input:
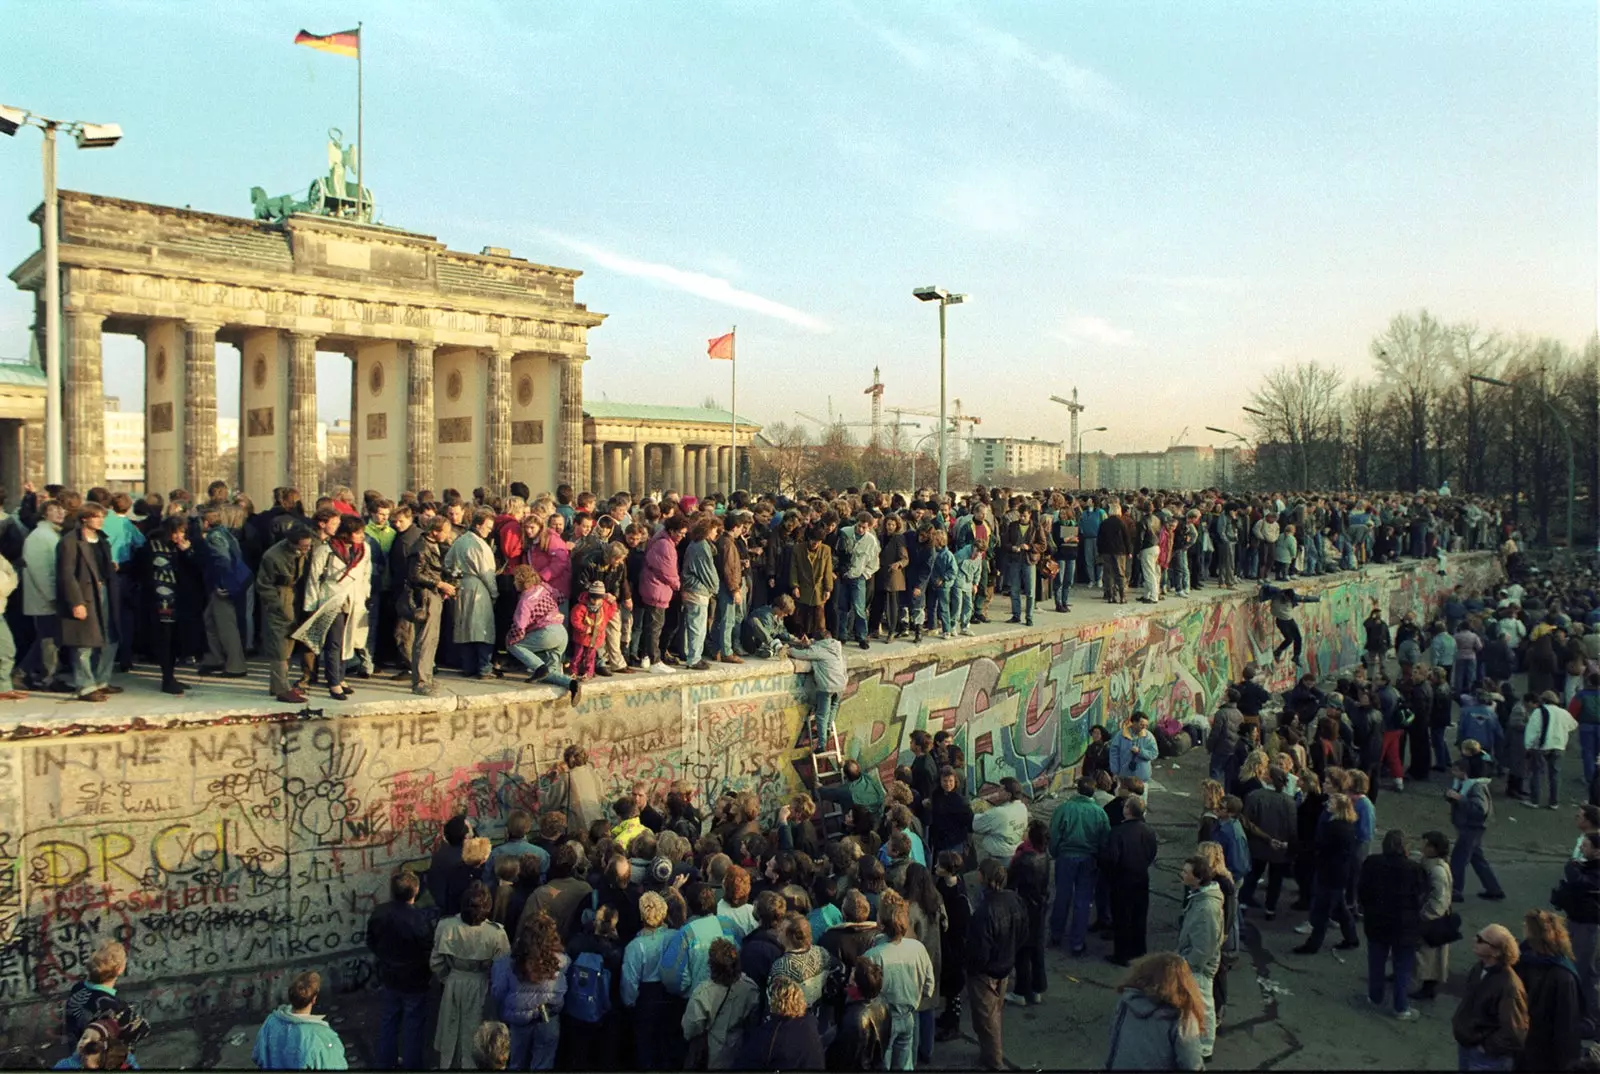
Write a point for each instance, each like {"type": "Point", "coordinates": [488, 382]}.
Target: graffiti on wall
{"type": "Point", "coordinates": [226, 856]}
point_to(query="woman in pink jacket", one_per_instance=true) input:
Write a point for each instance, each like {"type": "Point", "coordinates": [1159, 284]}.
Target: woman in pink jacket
{"type": "Point", "coordinates": [551, 556]}
{"type": "Point", "coordinates": [658, 582]}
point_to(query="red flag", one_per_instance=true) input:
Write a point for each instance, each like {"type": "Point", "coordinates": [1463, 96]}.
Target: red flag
{"type": "Point", "coordinates": [721, 347]}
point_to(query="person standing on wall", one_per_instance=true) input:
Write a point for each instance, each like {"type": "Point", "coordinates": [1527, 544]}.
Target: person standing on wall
{"type": "Point", "coordinates": [88, 604]}
{"type": "Point", "coordinates": [429, 591]}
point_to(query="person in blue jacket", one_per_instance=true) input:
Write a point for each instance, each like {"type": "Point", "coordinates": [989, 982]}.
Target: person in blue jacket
{"type": "Point", "coordinates": [292, 1038]}
{"type": "Point", "coordinates": [1480, 723]}
{"type": "Point", "coordinates": [1133, 749]}
{"type": "Point", "coordinates": [917, 574]}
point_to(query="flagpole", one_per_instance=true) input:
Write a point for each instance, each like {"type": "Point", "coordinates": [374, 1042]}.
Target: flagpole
{"type": "Point", "coordinates": [733, 422]}
{"type": "Point", "coordinates": [361, 140]}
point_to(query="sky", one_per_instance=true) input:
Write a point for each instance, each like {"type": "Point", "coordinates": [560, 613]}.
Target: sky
{"type": "Point", "coordinates": [1154, 203]}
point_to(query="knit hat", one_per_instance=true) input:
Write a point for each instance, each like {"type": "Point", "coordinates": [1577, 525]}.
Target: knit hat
{"type": "Point", "coordinates": [597, 588]}
{"type": "Point", "coordinates": [661, 870]}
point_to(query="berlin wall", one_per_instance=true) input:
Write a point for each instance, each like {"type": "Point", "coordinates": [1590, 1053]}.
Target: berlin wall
{"type": "Point", "coordinates": [229, 855]}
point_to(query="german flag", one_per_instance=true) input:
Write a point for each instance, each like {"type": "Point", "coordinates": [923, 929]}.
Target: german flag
{"type": "Point", "coordinates": [343, 43]}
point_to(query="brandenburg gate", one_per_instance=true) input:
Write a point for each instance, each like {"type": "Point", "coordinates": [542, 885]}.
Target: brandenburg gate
{"type": "Point", "coordinates": [466, 369]}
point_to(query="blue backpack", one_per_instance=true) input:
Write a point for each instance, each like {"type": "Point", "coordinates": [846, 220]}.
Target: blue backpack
{"type": "Point", "coordinates": [588, 989]}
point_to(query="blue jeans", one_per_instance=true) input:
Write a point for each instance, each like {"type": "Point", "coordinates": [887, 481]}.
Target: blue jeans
{"type": "Point", "coordinates": [1064, 579]}
{"type": "Point", "coordinates": [1405, 960]}
{"type": "Point", "coordinates": [900, 1050]}
{"type": "Point", "coordinates": [1478, 1059]}
{"type": "Point", "coordinates": [533, 1046]}
{"type": "Point", "coordinates": [729, 615]}
{"type": "Point", "coordinates": [1441, 750]}
{"type": "Point", "coordinates": [540, 650]}
{"type": "Point", "coordinates": [400, 1031]}
{"type": "Point", "coordinates": [941, 597]}
{"type": "Point", "coordinates": [1589, 744]}
{"type": "Point", "coordinates": [1550, 762]}
{"type": "Point", "coordinates": [963, 598]}
{"type": "Point", "coordinates": [695, 614]}
{"type": "Point", "coordinates": [853, 611]}
{"type": "Point", "coordinates": [826, 707]}
{"type": "Point", "coordinates": [1076, 875]}
{"type": "Point", "coordinates": [1180, 571]}
{"type": "Point", "coordinates": [1463, 674]}
{"type": "Point", "coordinates": [1327, 901]}
{"type": "Point", "coordinates": [925, 1036]}
{"type": "Point", "coordinates": [1469, 850]}
{"type": "Point", "coordinates": [1022, 577]}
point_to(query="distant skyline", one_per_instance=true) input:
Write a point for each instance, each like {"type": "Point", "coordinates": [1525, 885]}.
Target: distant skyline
{"type": "Point", "coordinates": [1155, 203]}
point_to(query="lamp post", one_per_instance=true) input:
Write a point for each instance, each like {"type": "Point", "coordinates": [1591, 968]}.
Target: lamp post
{"type": "Point", "coordinates": [944, 298]}
{"type": "Point", "coordinates": [1227, 432]}
{"type": "Point", "coordinates": [915, 451]}
{"type": "Point", "coordinates": [1566, 433]}
{"type": "Point", "coordinates": [88, 136]}
{"type": "Point", "coordinates": [1096, 429]}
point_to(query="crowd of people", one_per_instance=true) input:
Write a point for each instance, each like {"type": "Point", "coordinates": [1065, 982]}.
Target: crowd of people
{"type": "Point", "coordinates": [566, 587]}
{"type": "Point", "coordinates": [651, 932]}
{"type": "Point", "coordinates": [858, 925]}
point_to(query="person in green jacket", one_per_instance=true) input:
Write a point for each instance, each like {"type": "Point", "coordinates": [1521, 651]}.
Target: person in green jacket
{"type": "Point", "coordinates": [1078, 830]}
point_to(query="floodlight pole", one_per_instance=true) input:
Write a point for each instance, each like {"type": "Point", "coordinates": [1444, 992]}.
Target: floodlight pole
{"type": "Point", "coordinates": [54, 470]}
{"type": "Point", "coordinates": [943, 424]}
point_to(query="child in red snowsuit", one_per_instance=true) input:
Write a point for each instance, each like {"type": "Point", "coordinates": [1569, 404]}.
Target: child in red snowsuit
{"type": "Point", "coordinates": [590, 617]}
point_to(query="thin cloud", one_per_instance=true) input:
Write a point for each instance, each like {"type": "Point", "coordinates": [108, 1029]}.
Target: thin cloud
{"type": "Point", "coordinates": [1221, 285]}
{"type": "Point", "coordinates": [981, 53]}
{"type": "Point", "coordinates": [1097, 330]}
{"type": "Point", "coordinates": [700, 284]}
{"type": "Point", "coordinates": [994, 202]}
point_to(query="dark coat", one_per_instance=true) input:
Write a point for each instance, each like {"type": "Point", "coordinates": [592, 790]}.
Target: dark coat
{"type": "Point", "coordinates": [1129, 851]}
{"type": "Point", "coordinates": [83, 576]}
{"type": "Point", "coordinates": [759, 951]}
{"type": "Point", "coordinates": [1336, 851]}
{"type": "Point", "coordinates": [1555, 1014]}
{"type": "Point", "coordinates": [1578, 895]}
{"type": "Point", "coordinates": [951, 821]}
{"type": "Point", "coordinates": [1493, 1013]}
{"type": "Point", "coordinates": [863, 1032]}
{"type": "Point", "coordinates": [997, 932]}
{"type": "Point", "coordinates": [782, 1044]}
{"type": "Point", "coordinates": [1392, 890]}
{"type": "Point", "coordinates": [400, 937]}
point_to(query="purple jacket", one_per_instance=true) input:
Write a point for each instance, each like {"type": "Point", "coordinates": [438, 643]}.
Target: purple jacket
{"type": "Point", "coordinates": [659, 578]}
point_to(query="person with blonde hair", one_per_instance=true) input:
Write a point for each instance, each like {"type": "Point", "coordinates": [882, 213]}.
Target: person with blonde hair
{"type": "Point", "coordinates": [1335, 844]}
{"type": "Point", "coordinates": [1555, 1004]}
{"type": "Point", "coordinates": [1491, 1021]}
{"type": "Point", "coordinates": [95, 997]}
{"type": "Point", "coordinates": [787, 1040]}
{"type": "Point", "coordinates": [657, 1014]}
{"type": "Point", "coordinates": [491, 1046]}
{"type": "Point", "coordinates": [1160, 1017]}
{"type": "Point", "coordinates": [908, 978]}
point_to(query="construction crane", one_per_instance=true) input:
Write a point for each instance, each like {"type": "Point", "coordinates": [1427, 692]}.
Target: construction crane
{"type": "Point", "coordinates": [876, 391]}
{"type": "Point", "coordinates": [1075, 408]}
{"type": "Point", "coordinates": [1176, 440]}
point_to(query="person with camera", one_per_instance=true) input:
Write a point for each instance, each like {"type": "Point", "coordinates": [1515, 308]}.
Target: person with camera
{"type": "Point", "coordinates": [429, 591]}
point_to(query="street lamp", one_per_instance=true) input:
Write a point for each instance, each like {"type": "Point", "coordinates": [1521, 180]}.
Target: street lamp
{"type": "Point", "coordinates": [1227, 432]}
{"type": "Point", "coordinates": [1096, 429]}
{"type": "Point", "coordinates": [1566, 433]}
{"type": "Point", "coordinates": [915, 451]}
{"type": "Point", "coordinates": [944, 298]}
{"type": "Point", "coordinates": [88, 136]}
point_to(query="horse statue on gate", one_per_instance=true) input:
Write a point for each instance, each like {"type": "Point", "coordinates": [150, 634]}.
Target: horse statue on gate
{"type": "Point", "coordinates": [336, 194]}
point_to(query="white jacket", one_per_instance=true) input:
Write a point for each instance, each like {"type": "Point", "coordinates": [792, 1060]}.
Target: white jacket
{"type": "Point", "coordinates": [8, 582]}
{"type": "Point", "coordinates": [1001, 830]}
{"type": "Point", "coordinates": [1561, 725]}
{"type": "Point", "coordinates": [39, 569]}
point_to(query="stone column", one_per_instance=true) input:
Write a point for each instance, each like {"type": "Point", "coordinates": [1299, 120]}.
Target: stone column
{"type": "Point", "coordinates": [672, 466]}
{"type": "Point", "coordinates": [722, 471]}
{"type": "Point", "coordinates": [305, 469]}
{"type": "Point", "coordinates": [597, 468]}
{"type": "Point", "coordinates": [421, 436]}
{"type": "Point", "coordinates": [199, 407]}
{"type": "Point", "coordinates": [691, 470]}
{"type": "Point", "coordinates": [638, 472]}
{"type": "Point", "coordinates": [702, 471]}
{"type": "Point", "coordinates": [613, 474]}
{"type": "Point", "coordinates": [569, 433]}
{"type": "Point", "coordinates": [83, 409]}
{"type": "Point", "coordinates": [498, 424]}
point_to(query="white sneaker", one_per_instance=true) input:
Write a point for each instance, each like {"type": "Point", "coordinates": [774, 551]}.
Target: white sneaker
{"type": "Point", "coordinates": [966, 633]}
{"type": "Point", "coordinates": [1016, 1000]}
{"type": "Point", "coordinates": [661, 669]}
{"type": "Point", "coordinates": [1303, 929]}
{"type": "Point", "coordinates": [644, 663]}
{"type": "Point", "coordinates": [1408, 1015]}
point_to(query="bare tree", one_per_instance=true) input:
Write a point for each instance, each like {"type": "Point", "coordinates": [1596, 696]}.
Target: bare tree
{"type": "Point", "coordinates": [1297, 407]}
{"type": "Point", "coordinates": [1409, 357]}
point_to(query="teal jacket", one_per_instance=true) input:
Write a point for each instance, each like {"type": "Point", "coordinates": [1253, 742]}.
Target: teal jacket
{"type": "Point", "coordinates": [1078, 828]}
{"type": "Point", "coordinates": [289, 1041]}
